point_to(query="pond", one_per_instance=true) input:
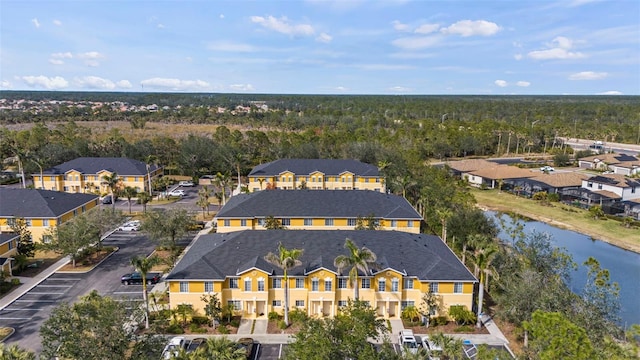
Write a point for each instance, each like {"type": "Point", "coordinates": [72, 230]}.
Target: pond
{"type": "Point", "coordinates": [623, 265]}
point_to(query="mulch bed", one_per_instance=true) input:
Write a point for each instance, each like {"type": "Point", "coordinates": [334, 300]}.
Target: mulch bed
{"type": "Point", "coordinates": [33, 271]}
{"type": "Point", "coordinates": [89, 262]}
{"type": "Point", "coordinates": [450, 328]}
{"type": "Point", "coordinates": [272, 328]}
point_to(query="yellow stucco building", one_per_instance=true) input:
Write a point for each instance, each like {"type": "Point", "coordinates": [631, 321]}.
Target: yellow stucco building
{"type": "Point", "coordinates": [41, 209]}
{"type": "Point", "coordinates": [316, 174]}
{"type": "Point", "coordinates": [85, 175]}
{"type": "Point", "coordinates": [318, 210]}
{"type": "Point", "coordinates": [233, 266]}
{"type": "Point", "coordinates": [8, 248]}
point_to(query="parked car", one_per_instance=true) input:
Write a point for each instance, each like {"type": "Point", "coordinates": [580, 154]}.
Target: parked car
{"type": "Point", "coordinates": [407, 342]}
{"type": "Point", "coordinates": [136, 278]}
{"type": "Point", "coordinates": [133, 225]}
{"type": "Point", "coordinates": [547, 168]}
{"type": "Point", "coordinates": [186, 183]}
{"type": "Point", "coordinates": [247, 344]}
{"type": "Point", "coordinates": [195, 344]}
{"type": "Point", "coordinates": [434, 350]}
{"type": "Point", "coordinates": [177, 192]}
{"type": "Point", "coordinates": [173, 347]}
{"type": "Point", "coordinates": [107, 200]}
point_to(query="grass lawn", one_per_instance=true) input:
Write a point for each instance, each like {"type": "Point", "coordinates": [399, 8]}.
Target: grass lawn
{"type": "Point", "coordinates": [563, 216]}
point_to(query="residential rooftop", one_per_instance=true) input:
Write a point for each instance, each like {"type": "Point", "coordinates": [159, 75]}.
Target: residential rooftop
{"type": "Point", "coordinates": [36, 203]}
{"type": "Point", "coordinates": [93, 165]}
{"type": "Point", "coordinates": [308, 166]}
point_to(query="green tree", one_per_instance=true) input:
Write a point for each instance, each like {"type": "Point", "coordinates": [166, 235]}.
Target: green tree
{"type": "Point", "coordinates": [144, 198]}
{"type": "Point", "coordinates": [482, 259]}
{"type": "Point", "coordinates": [104, 221]}
{"type": "Point", "coordinates": [14, 352]}
{"type": "Point", "coordinates": [596, 212]}
{"type": "Point", "coordinates": [143, 265]}
{"type": "Point", "coordinates": [556, 337]}
{"type": "Point", "coordinates": [358, 260]}
{"type": "Point", "coordinates": [271, 223]}
{"type": "Point", "coordinates": [26, 247]}
{"type": "Point", "coordinates": [92, 328]}
{"type": "Point", "coordinates": [203, 198]}
{"type": "Point", "coordinates": [452, 348]}
{"type": "Point", "coordinates": [444, 215]}
{"type": "Point", "coordinates": [129, 192]}
{"type": "Point", "coordinates": [212, 307]}
{"type": "Point", "coordinates": [411, 313]}
{"type": "Point", "coordinates": [285, 259]}
{"type": "Point", "coordinates": [71, 237]}
{"type": "Point", "coordinates": [166, 227]}
{"type": "Point", "coordinates": [221, 348]}
{"type": "Point", "coordinates": [113, 183]}
{"type": "Point", "coordinates": [222, 181]}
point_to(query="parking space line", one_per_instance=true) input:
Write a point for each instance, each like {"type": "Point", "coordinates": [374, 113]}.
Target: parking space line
{"type": "Point", "coordinates": [19, 309]}
{"type": "Point", "coordinates": [280, 352]}
{"type": "Point", "coordinates": [62, 279]}
{"type": "Point", "coordinates": [33, 301]}
{"type": "Point", "coordinates": [126, 292]}
{"type": "Point", "coordinates": [54, 286]}
{"type": "Point", "coordinates": [20, 318]}
{"type": "Point", "coordinates": [44, 293]}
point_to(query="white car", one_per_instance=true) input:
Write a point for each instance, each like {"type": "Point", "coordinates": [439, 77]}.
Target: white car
{"type": "Point", "coordinates": [547, 168]}
{"type": "Point", "coordinates": [173, 347]}
{"type": "Point", "coordinates": [434, 350]}
{"type": "Point", "coordinates": [186, 183]}
{"type": "Point", "coordinates": [133, 225]}
{"type": "Point", "coordinates": [177, 192]}
{"type": "Point", "coordinates": [407, 342]}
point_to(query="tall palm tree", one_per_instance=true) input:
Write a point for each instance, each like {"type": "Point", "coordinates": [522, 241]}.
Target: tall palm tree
{"type": "Point", "coordinates": [112, 181]}
{"type": "Point", "coordinates": [482, 262]}
{"type": "Point", "coordinates": [143, 265]}
{"type": "Point", "coordinates": [144, 198]}
{"type": "Point", "coordinates": [444, 215]}
{"type": "Point", "coordinates": [222, 180]}
{"type": "Point", "coordinates": [204, 193]}
{"type": "Point", "coordinates": [285, 259]}
{"type": "Point", "coordinates": [358, 259]}
{"type": "Point", "coordinates": [129, 192]}
{"type": "Point", "coordinates": [151, 159]}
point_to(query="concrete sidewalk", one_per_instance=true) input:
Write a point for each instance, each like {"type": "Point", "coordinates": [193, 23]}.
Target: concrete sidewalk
{"type": "Point", "coordinates": [28, 283]}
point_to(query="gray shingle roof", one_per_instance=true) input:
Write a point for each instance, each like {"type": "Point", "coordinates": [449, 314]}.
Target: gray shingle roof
{"type": "Point", "coordinates": [6, 237]}
{"type": "Point", "coordinates": [307, 166]}
{"type": "Point", "coordinates": [318, 203]}
{"type": "Point", "coordinates": [92, 165]}
{"type": "Point", "coordinates": [423, 256]}
{"type": "Point", "coordinates": [36, 203]}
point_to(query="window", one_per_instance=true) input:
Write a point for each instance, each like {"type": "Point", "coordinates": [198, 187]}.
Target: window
{"type": "Point", "coordinates": [208, 286]}
{"type": "Point", "coordinates": [299, 303]}
{"type": "Point", "coordinates": [45, 222]}
{"type": "Point", "coordinates": [284, 178]}
{"type": "Point", "coordinates": [276, 283]}
{"type": "Point", "coordinates": [633, 190]}
{"type": "Point", "coordinates": [405, 304]}
{"type": "Point", "coordinates": [233, 283]}
{"type": "Point", "coordinates": [286, 222]}
{"type": "Point", "coordinates": [75, 212]}
{"type": "Point", "coordinates": [382, 285]}
{"type": "Point", "coordinates": [227, 222]}
{"type": "Point", "coordinates": [237, 304]}
{"type": "Point", "coordinates": [260, 284]}
{"type": "Point", "coordinates": [394, 223]}
{"type": "Point", "coordinates": [366, 284]}
{"type": "Point", "coordinates": [247, 284]}
{"type": "Point", "coordinates": [289, 178]}
{"type": "Point", "coordinates": [261, 222]}
{"type": "Point", "coordinates": [408, 283]}
{"type": "Point", "coordinates": [47, 239]}
{"type": "Point", "coordinates": [342, 283]}
{"type": "Point", "coordinates": [589, 184]}
{"type": "Point", "coordinates": [409, 223]}
{"type": "Point", "coordinates": [351, 222]}
{"type": "Point", "coordinates": [328, 285]}
{"type": "Point", "coordinates": [299, 283]}
{"type": "Point", "coordinates": [377, 180]}
{"type": "Point", "coordinates": [433, 288]}
{"type": "Point", "coordinates": [328, 222]}
{"type": "Point", "coordinates": [243, 222]}
{"type": "Point", "coordinates": [11, 245]}
{"type": "Point", "coordinates": [308, 222]}
{"type": "Point", "coordinates": [342, 179]}
{"type": "Point", "coordinates": [28, 222]}
{"type": "Point", "coordinates": [342, 303]}
{"type": "Point", "coordinates": [315, 285]}
{"type": "Point", "coordinates": [276, 303]}
{"type": "Point", "coordinates": [394, 284]}
{"type": "Point", "coordinates": [184, 287]}
{"type": "Point", "coordinates": [457, 288]}
{"type": "Point", "coordinates": [66, 189]}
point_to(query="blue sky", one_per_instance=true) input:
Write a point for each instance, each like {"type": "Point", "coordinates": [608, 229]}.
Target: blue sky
{"type": "Point", "coordinates": [582, 47]}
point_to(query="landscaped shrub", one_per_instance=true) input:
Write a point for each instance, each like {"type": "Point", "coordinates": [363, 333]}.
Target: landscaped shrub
{"type": "Point", "coordinates": [175, 329]}
{"type": "Point", "coordinates": [235, 323]}
{"type": "Point", "coordinates": [273, 315]}
{"type": "Point", "coordinates": [200, 320]}
{"type": "Point", "coordinates": [461, 315]}
{"type": "Point", "coordinates": [553, 197]}
{"type": "Point", "coordinates": [282, 325]}
{"type": "Point", "coordinates": [438, 321]}
{"type": "Point", "coordinates": [15, 281]}
{"type": "Point", "coordinates": [298, 315]}
{"type": "Point", "coordinates": [194, 327]}
{"type": "Point", "coordinates": [223, 330]}
{"type": "Point", "coordinates": [464, 329]}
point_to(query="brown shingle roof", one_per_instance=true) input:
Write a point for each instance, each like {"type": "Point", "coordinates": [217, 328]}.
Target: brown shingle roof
{"type": "Point", "coordinates": [608, 194]}
{"type": "Point", "coordinates": [470, 165]}
{"type": "Point", "coordinates": [503, 172]}
{"type": "Point", "coordinates": [563, 179]}
{"type": "Point", "coordinates": [614, 159]}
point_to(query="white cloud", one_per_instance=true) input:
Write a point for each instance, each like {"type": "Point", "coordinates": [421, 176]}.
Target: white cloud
{"type": "Point", "coordinates": [325, 38]}
{"type": "Point", "coordinates": [94, 82]}
{"type": "Point", "coordinates": [384, 67]}
{"type": "Point", "coordinates": [588, 75]}
{"type": "Point", "coordinates": [557, 49]}
{"type": "Point", "coordinates": [341, 88]}
{"type": "Point", "coordinates": [401, 89]}
{"type": "Point", "coordinates": [56, 62]}
{"type": "Point", "coordinates": [5, 84]}
{"type": "Point", "coordinates": [91, 58]}
{"type": "Point", "coordinates": [517, 56]}
{"type": "Point", "coordinates": [124, 84]}
{"type": "Point", "coordinates": [241, 87]}
{"type": "Point", "coordinates": [427, 28]}
{"type": "Point", "coordinates": [35, 22]}
{"type": "Point", "coordinates": [523, 83]}
{"type": "Point", "coordinates": [230, 47]}
{"type": "Point", "coordinates": [283, 25]}
{"type": "Point", "coordinates": [46, 82]}
{"type": "Point", "coordinates": [175, 84]}
{"type": "Point", "coordinates": [221, 16]}
{"type": "Point", "coordinates": [160, 26]}
{"type": "Point", "coordinates": [57, 22]}
{"type": "Point", "coordinates": [470, 28]}
{"type": "Point", "coordinates": [501, 83]}
{"type": "Point", "coordinates": [398, 26]}
{"type": "Point", "coordinates": [611, 92]}
{"type": "Point", "coordinates": [62, 55]}
{"type": "Point", "coordinates": [416, 42]}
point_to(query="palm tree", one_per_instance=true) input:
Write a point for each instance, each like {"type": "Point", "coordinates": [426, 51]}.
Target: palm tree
{"type": "Point", "coordinates": [143, 265]}
{"type": "Point", "coordinates": [203, 203]}
{"type": "Point", "coordinates": [151, 159]}
{"type": "Point", "coordinates": [358, 259]}
{"type": "Point", "coordinates": [14, 352]}
{"type": "Point", "coordinates": [482, 261]}
{"type": "Point", "coordinates": [129, 192]}
{"type": "Point", "coordinates": [452, 348]}
{"type": "Point", "coordinates": [261, 180]}
{"type": "Point", "coordinates": [444, 215]}
{"type": "Point", "coordinates": [222, 181]}
{"type": "Point", "coordinates": [222, 349]}
{"type": "Point", "coordinates": [144, 198]}
{"type": "Point", "coordinates": [286, 259]}
{"type": "Point", "coordinates": [112, 181]}
{"type": "Point", "coordinates": [204, 194]}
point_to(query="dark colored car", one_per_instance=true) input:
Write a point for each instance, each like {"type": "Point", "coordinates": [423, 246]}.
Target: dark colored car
{"type": "Point", "coordinates": [195, 344]}
{"type": "Point", "coordinates": [136, 278]}
{"type": "Point", "coordinates": [248, 345]}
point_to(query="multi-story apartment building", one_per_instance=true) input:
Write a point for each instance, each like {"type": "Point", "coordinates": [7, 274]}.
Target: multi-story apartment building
{"type": "Point", "coordinates": [8, 248]}
{"type": "Point", "coordinates": [233, 266]}
{"type": "Point", "coordinates": [41, 209]}
{"type": "Point", "coordinates": [317, 210]}
{"type": "Point", "coordinates": [316, 174]}
{"type": "Point", "coordinates": [85, 175]}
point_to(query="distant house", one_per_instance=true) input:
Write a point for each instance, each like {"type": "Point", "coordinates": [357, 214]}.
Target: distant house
{"type": "Point", "coordinates": [491, 177]}
{"type": "Point", "coordinates": [462, 168]}
{"type": "Point", "coordinates": [560, 183]}
{"type": "Point", "coordinates": [41, 209]}
{"type": "Point", "coordinates": [611, 187]}
{"type": "Point", "coordinates": [8, 248]}
{"type": "Point", "coordinates": [85, 175]}
{"type": "Point", "coordinates": [232, 265]}
{"type": "Point", "coordinates": [317, 210]}
{"type": "Point", "coordinates": [617, 163]}
{"type": "Point", "coordinates": [316, 174]}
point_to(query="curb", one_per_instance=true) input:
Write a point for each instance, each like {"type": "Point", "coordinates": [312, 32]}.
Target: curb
{"type": "Point", "coordinates": [8, 336]}
{"type": "Point", "coordinates": [93, 267]}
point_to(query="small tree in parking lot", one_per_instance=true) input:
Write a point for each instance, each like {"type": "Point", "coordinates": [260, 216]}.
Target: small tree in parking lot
{"type": "Point", "coordinates": [143, 265]}
{"type": "Point", "coordinates": [167, 227]}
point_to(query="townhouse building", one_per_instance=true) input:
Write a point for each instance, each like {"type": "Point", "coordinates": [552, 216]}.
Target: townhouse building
{"type": "Point", "coordinates": [8, 249]}
{"type": "Point", "coordinates": [317, 210]}
{"type": "Point", "coordinates": [233, 266]}
{"type": "Point", "coordinates": [316, 174]}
